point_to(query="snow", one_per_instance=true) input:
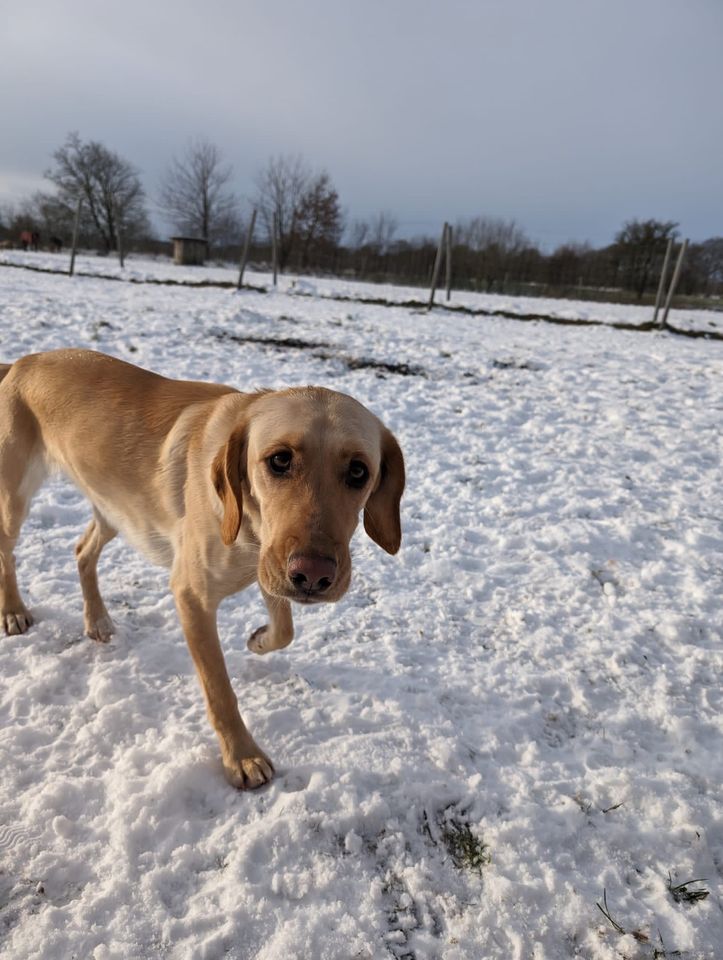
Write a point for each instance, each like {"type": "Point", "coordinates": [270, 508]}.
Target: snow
{"type": "Point", "coordinates": [533, 681]}
{"type": "Point", "coordinates": [162, 270]}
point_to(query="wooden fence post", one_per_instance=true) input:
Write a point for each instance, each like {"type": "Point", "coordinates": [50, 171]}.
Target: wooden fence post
{"type": "Point", "coordinates": [449, 260]}
{"type": "Point", "coordinates": [245, 253]}
{"type": "Point", "coordinates": [437, 265]}
{"type": "Point", "coordinates": [274, 246]}
{"type": "Point", "coordinates": [663, 276]}
{"type": "Point", "coordinates": [76, 228]}
{"type": "Point", "coordinates": [674, 283]}
{"type": "Point", "coordinates": [119, 236]}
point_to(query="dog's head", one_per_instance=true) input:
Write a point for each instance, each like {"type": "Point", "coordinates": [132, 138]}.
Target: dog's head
{"type": "Point", "coordinates": [300, 467]}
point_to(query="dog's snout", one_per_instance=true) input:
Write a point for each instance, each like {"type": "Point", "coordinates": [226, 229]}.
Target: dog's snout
{"type": "Point", "coordinates": [311, 575]}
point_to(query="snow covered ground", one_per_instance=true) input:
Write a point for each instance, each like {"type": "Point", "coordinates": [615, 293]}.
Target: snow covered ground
{"type": "Point", "coordinates": [517, 715]}
{"type": "Point", "coordinates": [145, 269]}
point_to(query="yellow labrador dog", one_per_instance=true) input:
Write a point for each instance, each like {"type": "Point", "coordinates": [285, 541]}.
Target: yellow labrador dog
{"type": "Point", "coordinates": [222, 487]}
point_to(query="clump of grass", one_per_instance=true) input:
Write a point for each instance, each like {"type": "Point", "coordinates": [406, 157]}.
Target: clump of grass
{"type": "Point", "coordinates": [681, 894]}
{"type": "Point", "coordinates": [467, 851]}
{"type": "Point", "coordinates": [450, 829]}
{"type": "Point", "coordinates": [605, 911]}
{"type": "Point", "coordinates": [662, 952]}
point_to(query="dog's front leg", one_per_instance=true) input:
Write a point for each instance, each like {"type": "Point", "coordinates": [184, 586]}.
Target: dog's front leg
{"type": "Point", "coordinates": [278, 632]}
{"type": "Point", "coordinates": [246, 765]}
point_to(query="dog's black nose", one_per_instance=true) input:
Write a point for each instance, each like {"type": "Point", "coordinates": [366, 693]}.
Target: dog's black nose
{"type": "Point", "coordinates": [310, 574]}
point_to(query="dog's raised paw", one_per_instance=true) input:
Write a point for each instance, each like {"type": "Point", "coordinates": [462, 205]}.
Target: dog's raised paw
{"type": "Point", "coordinates": [263, 640]}
{"type": "Point", "coordinates": [250, 772]}
{"type": "Point", "coordinates": [258, 642]}
{"type": "Point", "coordinates": [16, 622]}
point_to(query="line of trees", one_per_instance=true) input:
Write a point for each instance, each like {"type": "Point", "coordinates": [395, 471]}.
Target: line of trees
{"type": "Point", "coordinates": [196, 199]}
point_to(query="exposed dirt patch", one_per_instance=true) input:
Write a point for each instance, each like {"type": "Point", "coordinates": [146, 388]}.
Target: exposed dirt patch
{"type": "Point", "coordinates": [327, 351]}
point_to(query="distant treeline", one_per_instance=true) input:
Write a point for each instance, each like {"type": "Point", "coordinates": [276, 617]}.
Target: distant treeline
{"type": "Point", "coordinates": [304, 210]}
{"type": "Point", "coordinates": [622, 271]}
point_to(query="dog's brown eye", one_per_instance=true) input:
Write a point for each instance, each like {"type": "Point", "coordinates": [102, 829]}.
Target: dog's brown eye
{"type": "Point", "coordinates": [357, 474]}
{"type": "Point", "coordinates": [280, 462]}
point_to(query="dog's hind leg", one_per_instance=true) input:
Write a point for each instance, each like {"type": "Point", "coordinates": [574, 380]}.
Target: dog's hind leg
{"type": "Point", "coordinates": [15, 615]}
{"type": "Point", "coordinates": [98, 624]}
{"type": "Point", "coordinates": [22, 470]}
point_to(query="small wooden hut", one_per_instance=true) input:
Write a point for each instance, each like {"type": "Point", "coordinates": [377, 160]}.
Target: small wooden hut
{"type": "Point", "coordinates": [189, 251]}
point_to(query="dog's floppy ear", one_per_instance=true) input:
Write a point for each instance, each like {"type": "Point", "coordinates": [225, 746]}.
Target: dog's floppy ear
{"type": "Point", "coordinates": [381, 513]}
{"type": "Point", "coordinates": [227, 473]}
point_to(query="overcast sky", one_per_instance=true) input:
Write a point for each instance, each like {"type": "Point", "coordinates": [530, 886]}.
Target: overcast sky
{"type": "Point", "coordinates": [569, 116]}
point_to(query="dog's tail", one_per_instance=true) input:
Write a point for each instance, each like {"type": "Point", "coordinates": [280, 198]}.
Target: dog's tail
{"type": "Point", "coordinates": [4, 370]}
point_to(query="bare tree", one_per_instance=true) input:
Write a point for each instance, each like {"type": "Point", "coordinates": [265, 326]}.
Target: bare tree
{"type": "Point", "coordinates": [382, 228]}
{"type": "Point", "coordinates": [280, 188]}
{"type": "Point", "coordinates": [306, 207]}
{"type": "Point", "coordinates": [7, 215]}
{"type": "Point", "coordinates": [194, 195]}
{"type": "Point", "coordinates": [358, 233]}
{"type": "Point", "coordinates": [706, 264]}
{"type": "Point", "coordinates": [319, 219]}
{"type": "Point", "coordinates": [639, 247]}
{"type": "Point", "coordinates": [495, 241]}
{"type": "Point", "coordinates": [109, 185]}
{"type": "Point", "coordinates": [376, 233]}
{"type": "Point", "coordinates": [567, 264]}
{"type": "Point", "coordinates": [480, 233]}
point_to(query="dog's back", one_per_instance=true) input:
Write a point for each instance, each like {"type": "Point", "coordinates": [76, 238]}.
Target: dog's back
{"type": "Point", "coordinates": [104, 423]}
{"type": "Point", "coordinates": [4, 370]}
